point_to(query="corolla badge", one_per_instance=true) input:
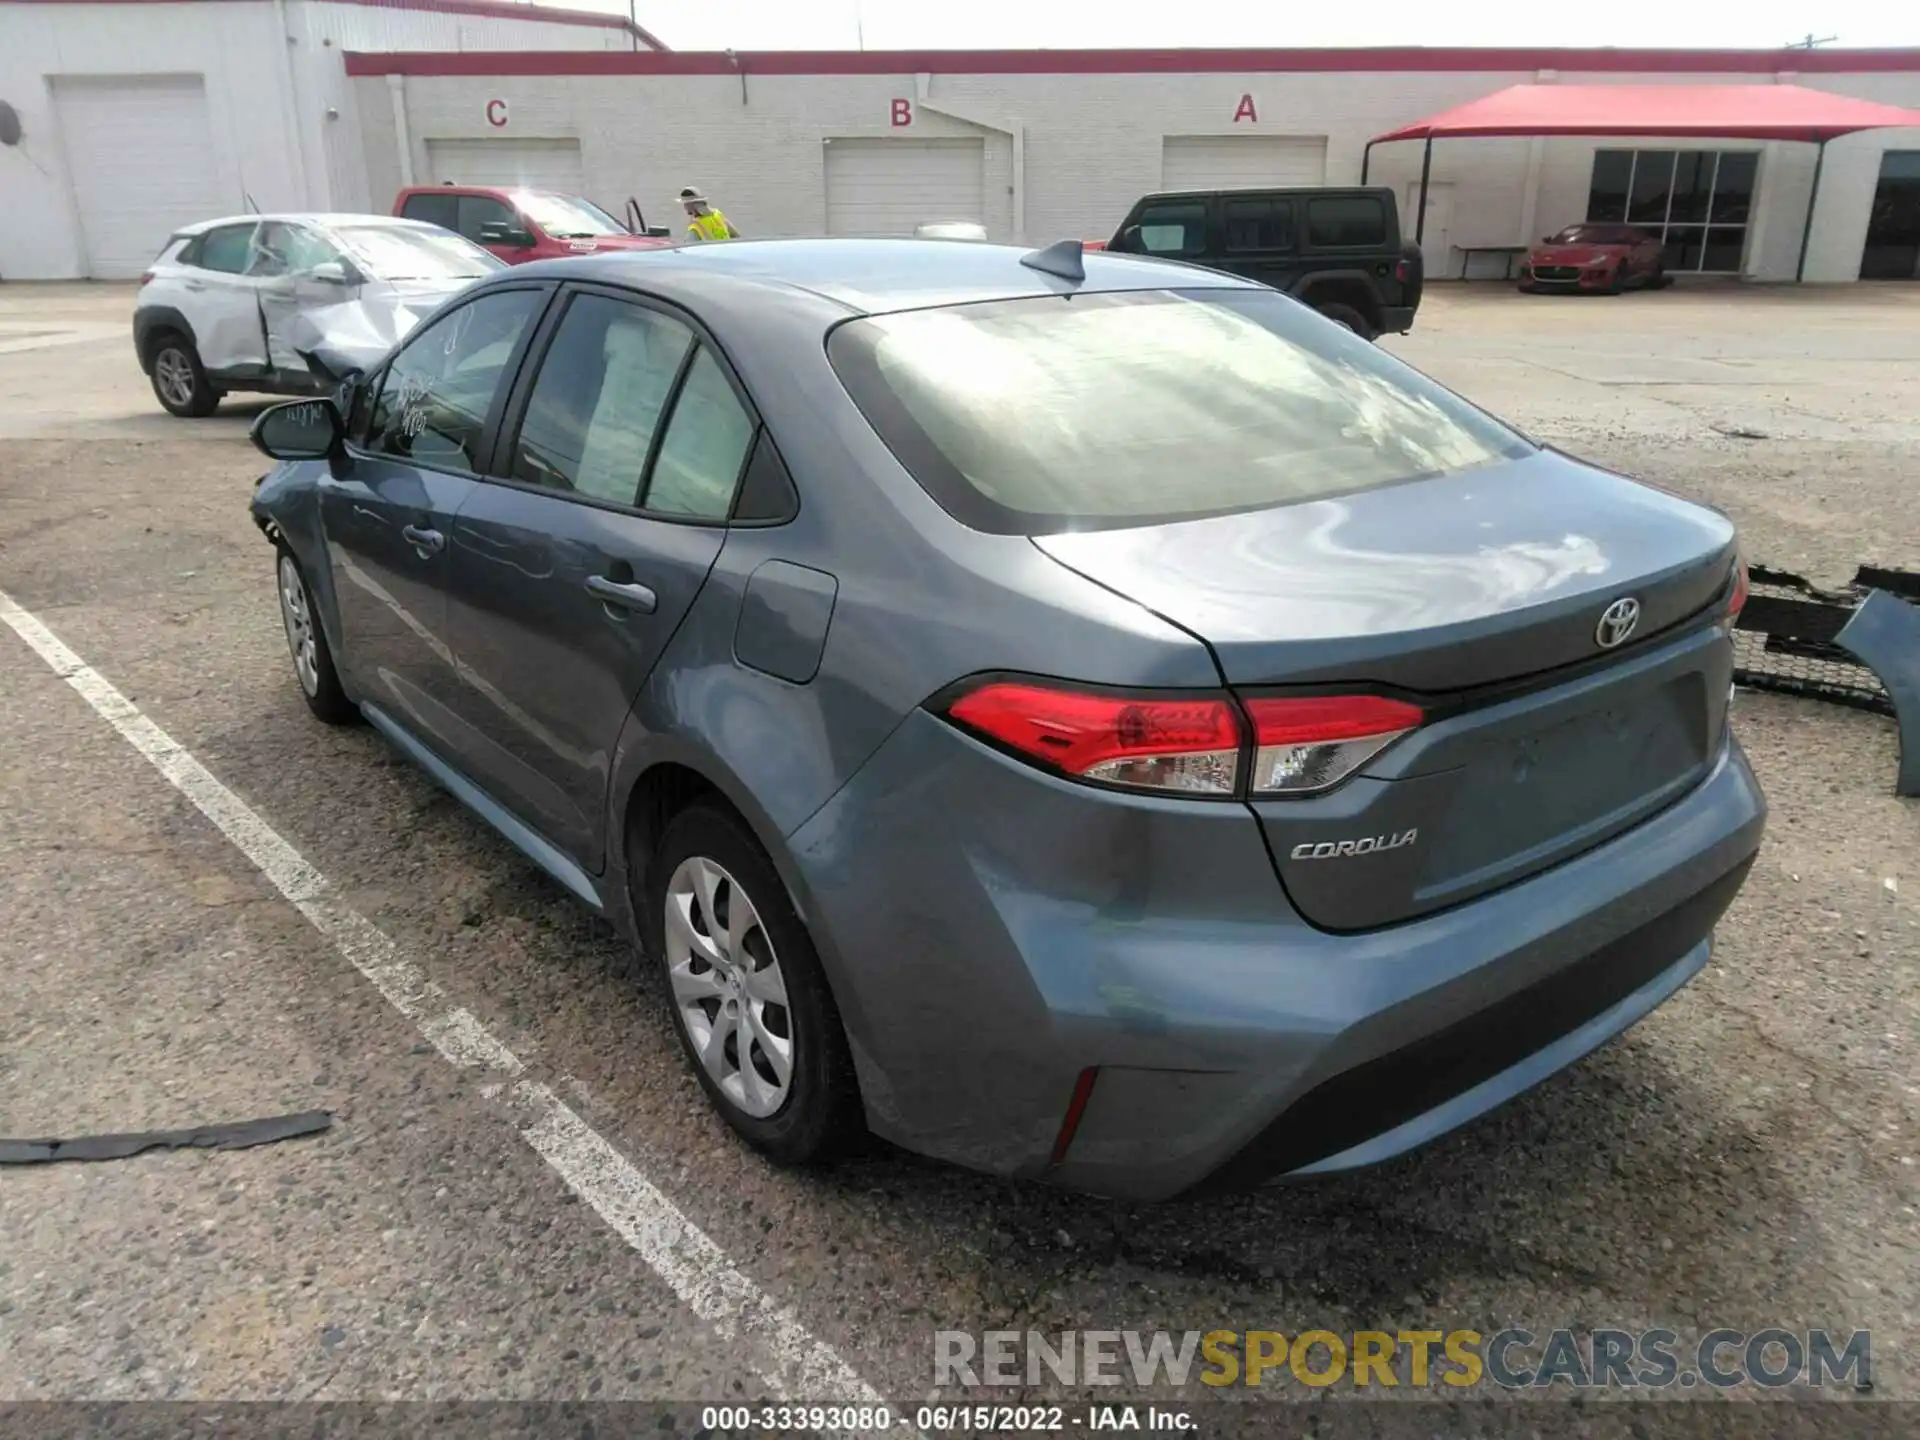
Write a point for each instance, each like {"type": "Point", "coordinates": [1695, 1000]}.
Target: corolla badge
{"type": "Point", "coordinates": [1617, 622]}
{"type": "Point", "coordinates": [1341, 849]}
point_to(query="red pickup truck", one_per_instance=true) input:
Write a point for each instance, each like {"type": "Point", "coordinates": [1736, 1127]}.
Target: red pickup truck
{"type": "Point", "coordinates": [523, 225]}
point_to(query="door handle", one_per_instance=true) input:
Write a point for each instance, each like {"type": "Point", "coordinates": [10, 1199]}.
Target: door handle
{"type": "Point", "coordinates": [427, 542]}
{"type": "Point", "coordinates": [626, 597]}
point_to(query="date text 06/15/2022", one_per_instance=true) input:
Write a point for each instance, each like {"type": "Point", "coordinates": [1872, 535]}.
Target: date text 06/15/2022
{"type": "Point", "coordinates": [942, 1419]}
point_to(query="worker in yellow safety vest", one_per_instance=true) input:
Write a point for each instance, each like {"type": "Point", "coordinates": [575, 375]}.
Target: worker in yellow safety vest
{"type": "Point", "coordinates": [705, 222]}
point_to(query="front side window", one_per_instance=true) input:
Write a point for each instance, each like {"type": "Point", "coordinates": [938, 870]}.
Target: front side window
{"type": "Point", "coordinates": [283, 249]}
{"type": "Point", "coordinates": [1346, 222]}
{"type": "Point", "coordinates": [1040, 415]}
{"type": "Point", "coordinates": [478, 210]}
{"type": "Point", "coordinates": [435, 395]}
{"type": "Point", "coordinates": [226, 248]}
{"type": "Point", "coordinates": [1173, 228]}
{"type": "Point", "coordinates": [598, 398]}
{"type": "Point", "coordinates": [704, 449]}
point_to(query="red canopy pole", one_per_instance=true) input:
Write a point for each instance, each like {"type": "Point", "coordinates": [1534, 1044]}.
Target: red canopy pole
{"type": "Point", "coordinates": [1813, 198]}
{"type": "Point", "coordinates": [1426, 169]}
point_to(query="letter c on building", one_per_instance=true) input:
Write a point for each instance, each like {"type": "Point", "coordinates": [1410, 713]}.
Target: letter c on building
{"type": "Point", "coordinates": [497, 114]}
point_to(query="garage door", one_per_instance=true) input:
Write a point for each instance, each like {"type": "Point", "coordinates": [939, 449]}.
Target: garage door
{"type": "Point", "coordinates": [536, 164]}
{"type": "Point", "coordinates": [887, 187]}
{"type": "Point", "coordinates": [140, 151]}
{"type": "Point", "coordinates": [1225, 162]}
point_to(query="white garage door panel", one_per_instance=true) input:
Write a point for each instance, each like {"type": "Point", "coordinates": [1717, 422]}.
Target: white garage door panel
{"type": "Point", "coordinates": [139, 149]}
{"type": "Point", "coordinates": [887, 187]}
{"type": "Point", "coordinates": [536, 164]}
{"type": "Point", "coordinates": [1226, 162]}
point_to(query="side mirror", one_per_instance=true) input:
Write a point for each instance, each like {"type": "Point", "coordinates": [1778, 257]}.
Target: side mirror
{"type": "Point", "coordinates": [298, 430]}
{"type": "Point", "coordinates": [658, 232]}
{"type": "Point", "coordinates": [1129, 239]}
{"type": "Point", "coordinates": [329, 272]}
{"type": "Point", "coordinates": [498, 232]}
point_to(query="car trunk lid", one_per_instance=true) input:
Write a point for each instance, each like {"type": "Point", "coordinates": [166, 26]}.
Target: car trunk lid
{"type": "Point", "coordinates": [1479, 595]}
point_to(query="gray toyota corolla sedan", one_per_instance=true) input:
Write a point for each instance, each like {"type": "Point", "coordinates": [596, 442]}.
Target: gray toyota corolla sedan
{"type": "Point", "coordinates": [1085, 718]}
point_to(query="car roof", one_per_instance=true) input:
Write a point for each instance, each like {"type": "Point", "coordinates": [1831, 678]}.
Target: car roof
{"type": "Point", "coordinates": [1230, 190]}
{"type": "Point", "coordinates": [870, 276]}
{"type": "Point", "coordinates": [325, 219]}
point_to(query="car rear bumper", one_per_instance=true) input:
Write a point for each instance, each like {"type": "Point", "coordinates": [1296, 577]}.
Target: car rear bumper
{"type": "Point", "coordinates": [992, 933]}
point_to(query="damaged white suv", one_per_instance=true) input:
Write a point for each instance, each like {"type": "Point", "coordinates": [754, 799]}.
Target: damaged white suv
{"type": "Point", "coordinates": [237, 303]}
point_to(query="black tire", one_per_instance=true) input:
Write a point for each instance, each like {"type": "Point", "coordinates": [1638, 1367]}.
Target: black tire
{"type": "Point", "coordinates": [178, 378]}
{"type": "Point", "coordinates": [1618, 283]}
{"type": "Point", "coordinates": [1660, 279]}
{"type": "Point", "coordinates": [319, 682]}
{"type": "Point", "coordinates": [1351, 318]}
{"type": "Point", "coordinates": [819, 1117]}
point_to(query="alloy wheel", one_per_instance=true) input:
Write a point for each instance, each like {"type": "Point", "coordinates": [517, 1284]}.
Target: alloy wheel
{"type": "Point", "coordinates": [298, 619]}
{"type": "Point", "coordinates": [728, 986]}
{"type": "Point", "coordinates": [173, 376]}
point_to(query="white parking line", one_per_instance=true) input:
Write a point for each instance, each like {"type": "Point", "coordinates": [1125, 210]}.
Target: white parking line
{"type": "Point", "coordinates": [798, 1366]}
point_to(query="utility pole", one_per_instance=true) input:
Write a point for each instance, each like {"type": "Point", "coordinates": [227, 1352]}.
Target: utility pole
{"type": "Point", "coordinates": [859, 26]}
{"type": "Point", "coordinates": [633, 22]}
{"type": "Point", "coordinates": [1812, 42]}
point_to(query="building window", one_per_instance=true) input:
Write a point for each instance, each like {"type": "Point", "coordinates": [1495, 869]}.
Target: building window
{"type": "Point", "coordinates": [1696, 201]}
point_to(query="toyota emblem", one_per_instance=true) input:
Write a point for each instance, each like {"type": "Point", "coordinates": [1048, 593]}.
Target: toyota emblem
{"type": "Point", "coordinates": [1617, 622]}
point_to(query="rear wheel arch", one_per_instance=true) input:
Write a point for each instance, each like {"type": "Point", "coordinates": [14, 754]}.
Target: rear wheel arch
{"type": "Point", "coordinates": [1352, 291]}
{"type": "Point", "coordinates": [157, 325]}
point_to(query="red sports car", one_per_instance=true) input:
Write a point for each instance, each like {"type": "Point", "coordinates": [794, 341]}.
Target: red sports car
{"type": "Point", "coordinates": [1606, 258]}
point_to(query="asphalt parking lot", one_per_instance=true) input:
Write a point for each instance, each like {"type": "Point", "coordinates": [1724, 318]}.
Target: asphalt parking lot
{"type": "Point", "coordinates": [1748, 1157]}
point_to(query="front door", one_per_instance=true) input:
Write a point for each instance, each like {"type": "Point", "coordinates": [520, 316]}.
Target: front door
{"type": "Point", "coordinates": [1260, 239]}
{"type": "Point", "coordinates": [298, 271]}
{"type": "Point", "coordinates": [1892, 250]}
{"type": "Point", "coordinates": [388, 508]}
{"type": "Point", "coordinates": [572, 571]}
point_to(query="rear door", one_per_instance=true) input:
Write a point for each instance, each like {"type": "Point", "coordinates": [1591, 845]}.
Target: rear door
{"type": "Point", "coordinates": [1259, 239]}
{"type": "Point", "coordinates": [388, 512]}
{"type": "Point", "coordinates": [575, 561]}
{"type": "Point", "coordinates": [221, 301]}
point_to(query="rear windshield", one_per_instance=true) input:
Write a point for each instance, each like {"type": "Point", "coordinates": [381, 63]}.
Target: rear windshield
{"type": "Point", "coordinates": [1099, 411]}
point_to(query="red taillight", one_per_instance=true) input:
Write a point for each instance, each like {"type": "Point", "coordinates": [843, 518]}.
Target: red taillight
{"type": "Point", "coordinates": [1181, 743]}
{"type": "Point", "coordinates": [1187, 744]}
{"type": "Point", "coordinates": [146, 277]}
{"type": "Point", "coordinates": [1076, 1107]}
{"type": "Point", "coordinates": [1738, 600]}
{"type": "Point", "coordinates": [1311, 743]}
{"type": "Point", "coordinates": [1401, 271]}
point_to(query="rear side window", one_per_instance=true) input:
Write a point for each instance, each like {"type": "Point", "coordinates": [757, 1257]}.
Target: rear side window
{"type": "Point", "coordinates": [704, 449]}
{"type": "Point", "coordinates": [1175, 227]}
{"type": "Point", "coordinates": [1344, 222]}
{"type": "Point", "coordinates": [1040, 415]}
{"type": "Point", "coordinates": [597, 401]}
{"type": "Point", "coordinates": [226, 248]}
{"type": "Point", "coordinates": [1259, 225]}
{"type": "Point", "coordinates": [441, 210]}
{"type": "Point", "coordinates": [434, 398]}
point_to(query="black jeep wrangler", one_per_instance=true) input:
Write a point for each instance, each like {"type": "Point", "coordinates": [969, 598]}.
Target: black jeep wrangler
{"type": "Point", "coordinates": [1338, 250]}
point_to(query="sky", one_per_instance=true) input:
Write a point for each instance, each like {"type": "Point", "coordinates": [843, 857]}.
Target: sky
{"type": "Point", "coordinates": [1082, 24]}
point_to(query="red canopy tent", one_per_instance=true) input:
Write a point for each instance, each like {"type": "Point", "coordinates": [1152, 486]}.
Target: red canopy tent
{"type": "Point", "coordinates": [1723, 112]}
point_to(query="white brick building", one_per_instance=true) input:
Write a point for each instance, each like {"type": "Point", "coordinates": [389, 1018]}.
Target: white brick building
{"type": "Point", "coordinates": [1040, 145]}
{"type": "Point", "coordinates": [138, 115]}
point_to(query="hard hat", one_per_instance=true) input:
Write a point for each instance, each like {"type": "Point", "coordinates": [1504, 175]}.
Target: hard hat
{"type": "Point", "coordinates": [691, 194]}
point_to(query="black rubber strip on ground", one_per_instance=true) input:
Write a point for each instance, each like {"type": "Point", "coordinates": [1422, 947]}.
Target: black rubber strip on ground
{"type": "Point", "coordinates": [240, 1136]}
